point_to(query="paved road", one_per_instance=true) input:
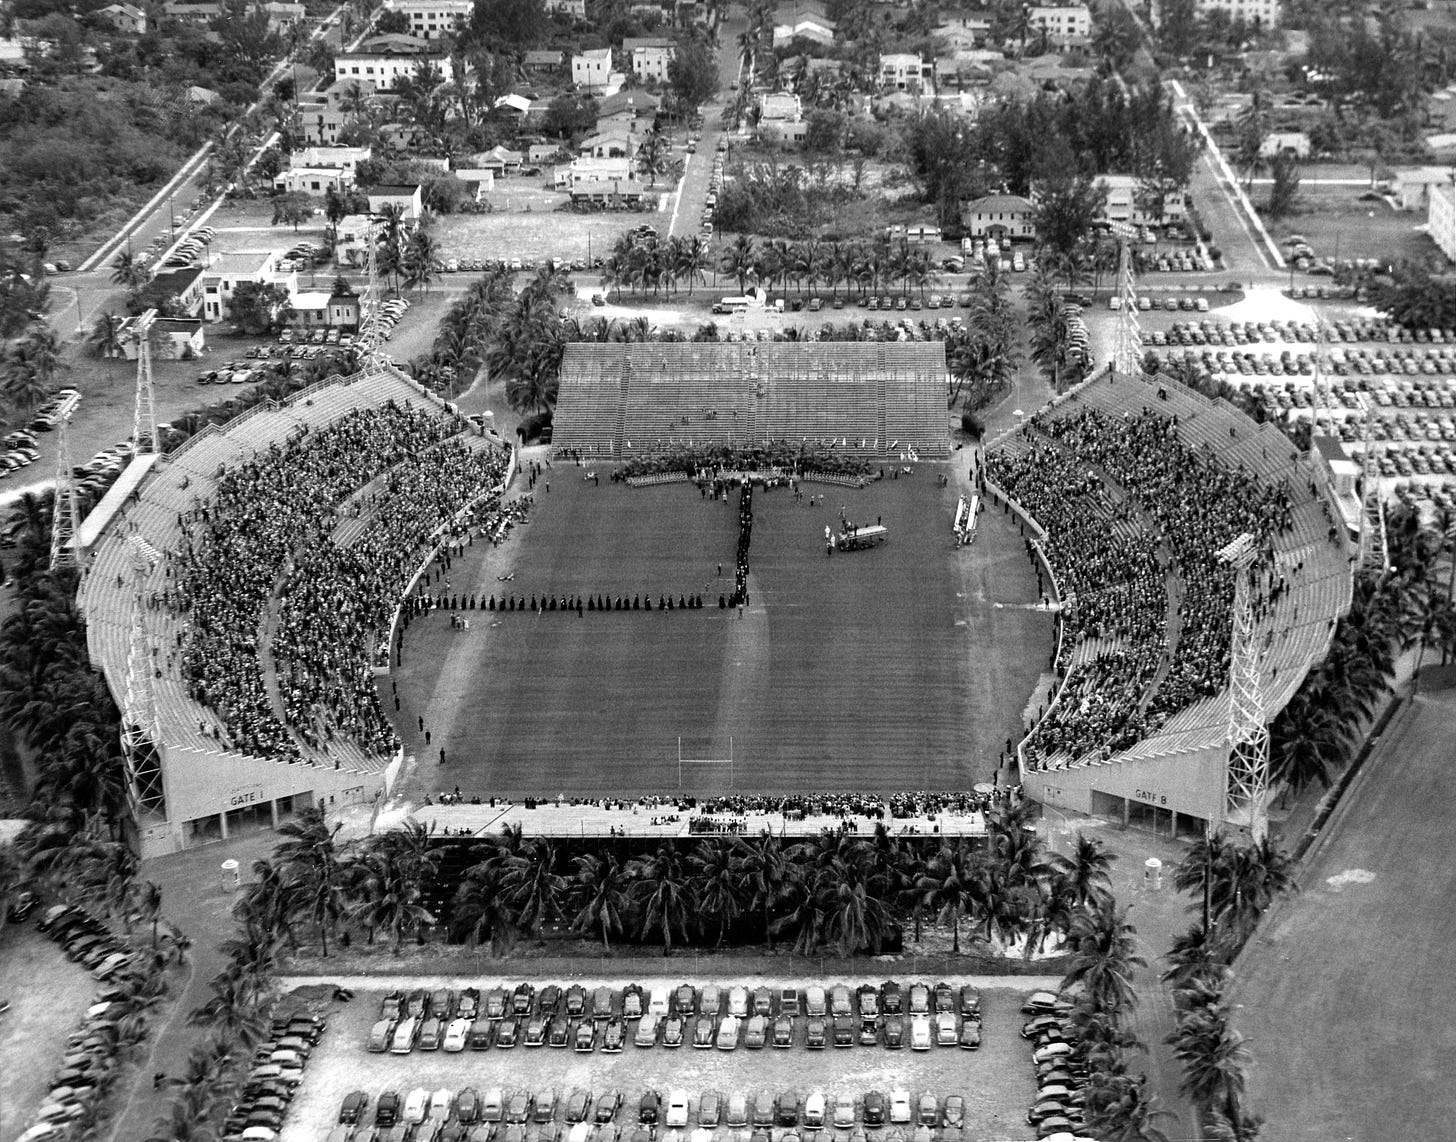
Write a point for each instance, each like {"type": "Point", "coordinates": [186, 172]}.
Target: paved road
{"type": "Point", "coordinates": [687, 207]}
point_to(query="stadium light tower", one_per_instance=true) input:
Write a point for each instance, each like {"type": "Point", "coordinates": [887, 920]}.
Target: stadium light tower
{"type": "Point", "coordinates": [1127, 350]}
{"type": "Point", "coordinates": [1374, 552]}
{"type": "Point", "coordinates": [144, 418]}
{"type": "Point", "coordinates": [1246, 785]}
{"type": "Point", "coordinates": [65, 514]}
{"type": "Point", "coordinates": [371, 322]}
{"type": "Point", "coordinates": [145, 790]}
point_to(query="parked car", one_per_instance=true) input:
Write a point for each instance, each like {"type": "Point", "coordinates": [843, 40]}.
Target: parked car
{"type": "Point", "coordinates": [875, 1108]}
{"type": "Point", "coordinates": [607, 1106]}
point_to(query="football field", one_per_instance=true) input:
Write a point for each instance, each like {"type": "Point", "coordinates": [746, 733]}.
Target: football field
{"type": "Point", "coordinates": [890, 668]}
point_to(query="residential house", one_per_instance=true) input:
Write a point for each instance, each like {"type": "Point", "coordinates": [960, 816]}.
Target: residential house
{"type": "Point", "coordinates": [351, 239]}
{"type": "Point", "coordinates": [1441, 108]}
{"type": "Point", "coordinates": [1441, 218]}
{"type": "Point", "coordinates": [959, 71]}
{"type": "Point", "coordinates": [784, 132]}
{"type": "Point", "coordinates": [284, 16]}
{"type": "Point", "coordinates": [1125, 203]}
{"type": "Point", "coordinates": [1411, 188]}
{"type": "Point", "coordinates": [313, 170]}
{"type": "Point", "coordinates": [574, 9]}
{"type": "Point", "coordinates": [228, 271]}
{"type": "Point", "coordinates": [612, 195]}
{"type": "Point", "coordinates": [431, 19]}
{"type": "Point", "coordinates": [1259, 13]}
{"type": "Point", "coordinates": [125, 18]}
{"type": "Point", "coordinates": [344, 310]}
{"type": "Point", "coordinates": [1063, 25]}
{"type": "Point", "coordinates": [203, 13]}
{"type": "Point", "coordinates": [781, 106]}
{"type": "Point", "coordinates": [999, 216]}
{"type": "Point", "coordinates": [963, 32]}
{"type": "Point", "coordinates": [629, 105]}
{"type": "Point", "coordinates": [501, 160]}
{"type": "Point", "coordinates": [544, 61]}
{"type": "Point", "coordinates": [385, 67]}
{"type": "Point", "coordinates": [172, 338]}
{"type": "Point", "coordinates": [515, 103]}
{"type": "Point", "coordinates": [615, 143]}
{"type": "Point", "coordinates": [1295, 144]}
{"type": "Point", "coordinates": [592, 70]}
{"type": "Point", "coordinates": [407, 197]}
{"type": "Point", "coordinates": [649, 56]}
{"type": "Point", "coordinates": [310, 309]}
{"type": "Point", "coordinates": [326, 113]}
{"type": "Point", "coordinates": [804, 20]}
{"type": "Point", "coordinates": [903, 71]}
{"type": "Point", "coordinates": [588, 169]}
{"type": "Point", "coordinates": [174, 291]}
{"type": "Point", "coordinates": [542, 154]}
{"type": "Point", "coordinates": [478, 180]}
{"type": "Point", "coordinates": [406, 138]}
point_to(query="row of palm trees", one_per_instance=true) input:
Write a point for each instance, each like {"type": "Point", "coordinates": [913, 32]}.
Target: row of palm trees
{"type": "Point", "coordinates": [30, 365]}
{"type": "Point", "coordinates": [874, 266]}
{"type": "Point", "coordinates": [841, 892]}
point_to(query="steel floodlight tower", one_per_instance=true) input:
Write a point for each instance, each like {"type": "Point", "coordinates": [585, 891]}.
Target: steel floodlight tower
{"type": "Point", "coordinates": [1127, 349]}
{"type": "Point", "coordinates": [371, 320]}
{"type": "Point", "coordinates": [1246, 784]}
{"type": "Point", "coordinates": [1374, 553]}
{"type": "Point", "coordinates": [144, 418]}
{"type": "Point", "coordinates": [65, 514]}
{"type": "Point", "coordinates": [146, 792]}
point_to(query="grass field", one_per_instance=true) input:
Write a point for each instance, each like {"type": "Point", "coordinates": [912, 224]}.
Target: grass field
{"type": "Point", "coordinates": [1346, 999]}
{"type": "Point", "coordinates": [542, 232]}
{"type": "Point", "coordinates": [890, 668]}
{"type": "Point", "coordinates": [1338, 224]}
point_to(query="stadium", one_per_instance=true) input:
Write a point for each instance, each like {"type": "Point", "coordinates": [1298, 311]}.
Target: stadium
{"type": "Point", "coordinates": [288, 609]}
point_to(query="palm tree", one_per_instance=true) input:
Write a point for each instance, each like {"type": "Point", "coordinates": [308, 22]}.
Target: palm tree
{"type": "Point", "coordinates": [105, 337]}
{"type": "Point", "coordinates": [310, 856]}
{"type": "Point", "coordinates": [481, 910]}
{"type": "Point", "coordinates": [146, 905]}
{"type": "Point", "coordinates": [1214, 1060]}
{"type": "Point", "coordinates": [603, 892]}
{"type": "Point", "coordinates": [739, 259]}
{"type": "Point", "coordinates": [128, 271]}
{"type": "Point", "coordinates": [533, 887]}
{"type": "Point", "coordinates": [664, 893]}
{"type": "Point", "coordinates": [717, 883]}
{"type": "Point", "coordinates": [1085, 875]}
{"type": "Point", "coordinates": [31, 366]}
{"type": "Point", "coordinates": [768, 875]}
{"type": "Point", "coordinates": [947, 886]}
{"type": "Point", "coordinates": [1102, 944]}
{"type": "Point", "coordinates": [852, 917]}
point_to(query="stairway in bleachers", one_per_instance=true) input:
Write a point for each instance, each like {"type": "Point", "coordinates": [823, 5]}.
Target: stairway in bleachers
{"type": "Point", "coordinates": [619, 434]}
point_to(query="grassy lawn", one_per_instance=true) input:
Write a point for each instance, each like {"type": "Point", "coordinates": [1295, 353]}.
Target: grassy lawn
{"type": "Point", "coordinates": [1336, 222]}
{"type": "Point", "coordinates": [542, 231]}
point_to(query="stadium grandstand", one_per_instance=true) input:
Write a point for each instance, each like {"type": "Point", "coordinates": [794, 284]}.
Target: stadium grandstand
{"type": "Point", "coordinates": [877, 400]}
{"type": "Point", "coordinates": [275, 551]}
{"type": "Point", "coordinates": [1129, 488]}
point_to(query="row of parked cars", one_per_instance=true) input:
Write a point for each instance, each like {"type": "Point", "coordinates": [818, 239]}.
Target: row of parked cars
{"type": "Point", "coordinates": [89, 1064]}
{"type": "Point", "coordinates": [191, 249]}
{"type": "Point", "coordinates": [1061, 1074]}
{"type": "Point", "coordinates": [19, 451]}
{"type": "Point", "coordinates": [86, 940]}
{"type": "Point", "coordinates": [56, 409]}
{"type": "Point", "coordinates": [920, 1016]}
{"type": "Point", "coordinates": [497, 1115]}
{"type": "Point", "coordinates": [263, 1100]}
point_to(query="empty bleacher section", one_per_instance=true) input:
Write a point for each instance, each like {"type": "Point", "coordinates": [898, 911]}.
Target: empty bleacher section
{"type": "Point", "coordinates": [620, 400]}
{"type": "Point", "coordinates": [1138, 485]}
{"type": "Point", "coordinates": [239, 514]}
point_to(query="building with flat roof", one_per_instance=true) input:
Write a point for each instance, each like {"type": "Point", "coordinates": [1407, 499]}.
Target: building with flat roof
{"type": "Point", "coordinates": [386, 67]}
{"type": "Point", "coordinates": [1125, 202]}
{"type": "Point", "coordinates": [1441, 218]}
{"type": "Point", "coordinates": [591, 70]}
{"type": "Point", "coordinates": [1262, 13]}
{"type": "Point", "coordinates": [431, 19]}
{"type": "Point", "coordinates": [1062, 24]}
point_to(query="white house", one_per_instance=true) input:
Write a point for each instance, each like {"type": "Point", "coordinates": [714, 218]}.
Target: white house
{"type": "Point", "coordinates": [999, 216]}
{"type": "Point", "coordinates": [1412, 187]}
{"type": "Point", "coordinates": [963, 31]}
{"type": "Point", "coordinates": [1122, 203]}
{"type": "Point", "coordinates": [407, 197]}
{"type": "Point", "coordinates": [478, 180]}
{"type": "Point", "coordinates": [313, 170]}
{"type": "Point", "coordinates": [1063, 24]}
{"type": "Point", "coordinates": [782, 106]}
{"type": "Point", "coordinates": [385, 68]}
{"type": "Point", "coordinates": [431, 19]}
{"type": "Point", "coordinates": [592, 70]}
{"type": "Point", "coordinates": [588, 169]}
{"type": "Point", "coordinates": [649, 56]}
{"type": "Point", "coordinates": [228, 271]}
{"type": "Point", "coordinates": [173, 338]}
{"type": "Point", "coordinates": [575, 9]}
{"type": "Point", "coordinates": [903, 71]}
{"type": "Point", "coordinates": [1441, 218]}
{"type": "Point", "coordinates": [1264, 13]}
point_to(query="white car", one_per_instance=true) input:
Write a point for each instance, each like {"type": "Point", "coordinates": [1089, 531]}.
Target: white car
{"type": "Point", "coordinates": [677, 1109]}
{"type": "Point", "coordinates": [457, 1035]}
{"type": "Point", "coordinates": [814, 1109]}
{"type": "Point", "coordinates": [659, 1002]}
{"type": "Point", "coordinates": [920, 1035]}
{"type": "Point", "coordinates": [738, 1002]}
{"type": "Point", "coordinates": [843, 1111]}
{"type": "Point", "coordinates": [415, 1105]}
{"type": "Point", "coordinates": [440, 1103]}
{"type": "Point", "coordinates": [900, 1110]}
{"type": "Point", "coordinates": [946, 1032]}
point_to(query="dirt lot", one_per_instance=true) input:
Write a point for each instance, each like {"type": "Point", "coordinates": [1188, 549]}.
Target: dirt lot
{"type": "Point", "coordinates": [47, 995]}
{"type": "Point", "coordinates": [995, 1081]}
{"type": "Point", "coordinates": [542, 232]}
{"type": "Point", "coordinates": [1337, 223]}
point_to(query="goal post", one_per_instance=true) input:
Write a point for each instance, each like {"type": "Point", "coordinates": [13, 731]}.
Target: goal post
{"type": "Point", "coordinates": [719, 765]}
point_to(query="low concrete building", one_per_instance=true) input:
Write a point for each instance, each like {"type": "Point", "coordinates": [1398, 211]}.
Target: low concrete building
{"type": "Point", "coordinates": [1295, 144]}
{"type": "Point", "coordinates": [903, 71]}
{"type": "Point", "coordinates": [125, 18]}
{"type": "Point", "coordinates": [649, 57]}
{"type": "Point", "coordinates": [386, 67]}
{"type": "Point", "coordinates": [228, 271]}
{"type": "Point", "coordinates": [407, 197]}
{"type": "Point", "coordinates": [431, 19]}
{"type": "Point", "coordinates": [1125, 203]}
{"type": "Point", "coordinates": [1063, 25]}
{"type": "Point", "coordinates": [544, 61]}
{"type": "Point", "coordinates": [1441, 218]}
{"type": "Point", "coordinates": [1411, 188]}
{"type": "Point", "coordinates": [592, 70]}
{"type": "Point", "coordinates": [173, 338]}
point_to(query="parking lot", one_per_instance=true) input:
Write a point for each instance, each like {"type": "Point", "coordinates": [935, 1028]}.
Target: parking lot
{"type": "Point", "coordinates": [996, 1081]}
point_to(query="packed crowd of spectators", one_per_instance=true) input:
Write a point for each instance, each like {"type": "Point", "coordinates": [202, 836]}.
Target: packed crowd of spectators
{"type": "Point", "coordinates": [337, 600]}
{"type": "Point", "coordinates": [1133, 513]}
{"type": "Point", "coordinates": [794, 457]}
{"type": "Point", "coordinates": [269, 511]}
{"type": "Point", "coordinates": [745, 539]}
